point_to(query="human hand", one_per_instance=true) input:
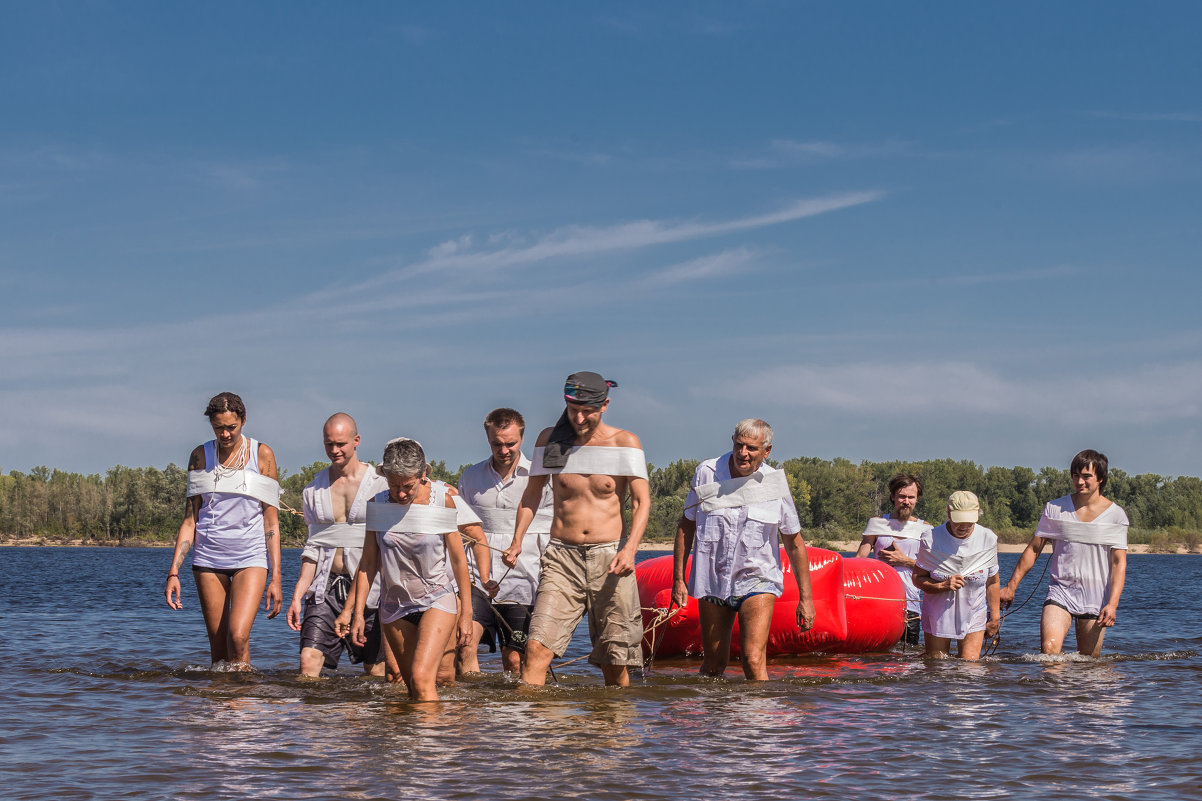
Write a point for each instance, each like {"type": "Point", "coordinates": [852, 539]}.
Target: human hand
{"type": "Point", "coordinates": [273, 599]}
{"type": "Point", "coordinates": [1006, 595]}
{"type": "Point", "coordinates": [465, 630]}
{"type": "Point", "coordinates": [356, 632]}
{"type": "Point", "coordinates": [1108, 614]}
{"type": "Point", "coordinates": [680, 592]}
{"type": "Point", "coordinates": [294, 614]}
{"type": "Point", "coordinates": [805, 615]}
{"type": "Point", "coordinates": [622, 564]}
{"type": "Point", "coordinates": [992, 626]}
{"type": "Point", "coordinates": [954, 583]}
{"type": "Point", "coordinates": [491, 587]}
{"type": "Point", "coordinates": [895, 558]}
{"type": "Point", "coordinates": [172, 593]}
{"type": "Point", "coordinates": [510, 556]}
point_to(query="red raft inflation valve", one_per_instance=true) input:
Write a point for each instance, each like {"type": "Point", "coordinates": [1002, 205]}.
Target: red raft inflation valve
{"type": "Point", "coordinates": [859, 606]}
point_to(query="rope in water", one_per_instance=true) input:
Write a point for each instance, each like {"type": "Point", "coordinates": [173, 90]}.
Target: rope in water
{"type": "Point", "coordinates": [662, 616]}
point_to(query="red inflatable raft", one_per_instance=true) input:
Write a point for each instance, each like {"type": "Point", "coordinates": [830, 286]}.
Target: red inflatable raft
{"type": "Point", "coordinates": [859, 605]}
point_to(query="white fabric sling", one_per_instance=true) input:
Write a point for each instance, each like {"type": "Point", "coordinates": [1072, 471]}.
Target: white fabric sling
{"type": "Point", "coordinates": [1112, 535]}
{"type": "Point", "coordinates": [955, 564]}
{"type": "Point", "coordinates": [465, 515]}
{"type": "Point", "coordinates": [504, 521]}
{"type": "Point", "coordinates": [336, 535]}
{"type": "Point", "coordinates": [743, 491]}
{"type": "Point", "coordinates": [595, 460]}
{"type": "Point", "coordinates": [411, 518]}
{"type": "Point", "coordinates": [238, 482]}
{"type": "Point", "coordinates": [882, 527]}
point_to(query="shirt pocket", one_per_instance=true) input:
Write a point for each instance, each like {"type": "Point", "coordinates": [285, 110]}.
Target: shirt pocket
{"type": "Point", "coordinates": [762, 522]}
{"type": "Point", "coordinates": [709, 531]}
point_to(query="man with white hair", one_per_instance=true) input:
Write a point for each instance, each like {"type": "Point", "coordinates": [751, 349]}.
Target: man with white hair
{"type": "Point", "coordinates": [736, 515]}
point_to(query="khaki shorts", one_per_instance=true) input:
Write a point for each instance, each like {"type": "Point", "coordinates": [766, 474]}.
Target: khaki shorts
{"type": "Point", "coordinates": [576, 579]}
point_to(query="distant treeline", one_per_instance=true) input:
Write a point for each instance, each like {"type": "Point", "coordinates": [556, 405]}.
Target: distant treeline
{"type": "Point", "coordinates": [834, 499]}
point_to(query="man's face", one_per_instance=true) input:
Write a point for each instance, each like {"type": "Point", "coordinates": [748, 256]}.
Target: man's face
{"type": "Point", "coordinates": [584, 418]}
{"type": "Point", "coordinates": [1086, 482]}
{"type": "Point", "coordinates": [403, 489]}
{"type": "Point", "coordinates": [904, 501]}
{"type": "Point", "coordinates": [505, 444]}
{"type": "Point", "coordinates": [748, 454]}
{"type": "Point", "coordinates": [227, 428]}
{"type": "Point", "coordinates": [340, 443]}
{"type": "Point", "coordinates": [959, 530]}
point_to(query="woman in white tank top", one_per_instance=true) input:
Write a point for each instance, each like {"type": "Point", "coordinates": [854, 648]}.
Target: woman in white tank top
{"type": "Point", "coordinates": [425, 610]}
{"type": "Point", "coordinates": [236, 536]}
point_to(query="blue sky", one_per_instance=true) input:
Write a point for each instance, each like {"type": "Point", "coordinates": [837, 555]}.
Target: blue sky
{"type": "Point", "coordinates": [895, 231]}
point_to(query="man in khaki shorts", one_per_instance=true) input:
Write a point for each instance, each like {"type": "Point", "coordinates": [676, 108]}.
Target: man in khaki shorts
{"type": "Point", "coordinates": [587, 567]}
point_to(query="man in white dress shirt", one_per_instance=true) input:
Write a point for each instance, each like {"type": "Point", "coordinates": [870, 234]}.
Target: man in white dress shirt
{"type": "Point", "coordinates": [494, 490]}
{"type": "Point", "coordinates": [738, 511]}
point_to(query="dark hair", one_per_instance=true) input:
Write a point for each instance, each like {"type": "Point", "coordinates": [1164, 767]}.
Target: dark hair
{"type": "Point", "coordinates": [226, 402]}
{"type": "Point", "coordinates": [903, 480]}
{"type": "Point", "coordinates": [504, 418]}
{"type": "Point", "coordinates": [1088, 458]}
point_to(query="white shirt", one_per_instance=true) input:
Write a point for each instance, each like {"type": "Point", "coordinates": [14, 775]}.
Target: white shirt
{"type": "Point", "coordinates": [737, 550]}
{"type": "Point", "coordinates": [317, 506]}
{"type": "Point", "coordinates": [483, 488]}
{"type": "Point", "coordinates": [1080, 572]}
{"type": "Point", "coordinates": [909, 548]}
{"type": "Point", "coordinates": [956, 614]}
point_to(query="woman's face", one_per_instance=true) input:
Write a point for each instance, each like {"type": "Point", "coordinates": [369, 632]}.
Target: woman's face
{"type": "Point", "coordinates": [403, 489]}
{"type": "Point", "coordinates": [227, 428]}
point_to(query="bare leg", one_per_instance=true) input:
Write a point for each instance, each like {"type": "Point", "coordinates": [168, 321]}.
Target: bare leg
{"type": "Point", "coordinates": [1089, 637]}
{"type": "Point", "coordinates": [246, 593]}
{"type": "Point", "coordinates": [312, 660]}
{"type": "Point", "coordinates": [213, 589]}
{"type": "Point", "coordinates": [446, 664]}
{"type": "Point", "coordinates": [616, 675]}
{"type": "Point", "coordinates": [466, 658]}
{"type": "Point", "coordinates": [717, 622]}
{"type": "Point", "coordinates": [938, 647]}
{"type": "Point", "coordinates": [970, 646]}
{"type": "Point", "coordinates": [538, 659]}
{"type": "Point", "coordinates": [374, 669]}
{"type": "Point", "coordinates": [511, 660]}
{"type": "Point", "coordinates": [1053, 628]}
{"type": "Point", "coordinates": [755, 622]}
{"type": "Point", "coordinates": [401, 636]}
{"type": "Point", "coordinates": [392, 661]}
{"type": "Point", "coordinates": [428, 652]}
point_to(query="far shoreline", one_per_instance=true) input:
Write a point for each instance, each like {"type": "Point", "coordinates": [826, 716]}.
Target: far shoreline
{"type": "Point", "coordinates": [842, 546]}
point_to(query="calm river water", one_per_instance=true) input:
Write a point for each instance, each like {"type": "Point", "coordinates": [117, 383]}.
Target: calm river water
{"type": "Point", "coordinates": [106, 695]}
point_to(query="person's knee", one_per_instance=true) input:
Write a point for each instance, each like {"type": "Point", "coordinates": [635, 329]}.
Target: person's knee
{"type": "Point", "coordinates": [312, 661]}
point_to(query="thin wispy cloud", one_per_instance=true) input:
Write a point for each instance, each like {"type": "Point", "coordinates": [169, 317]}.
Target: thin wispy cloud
{"type": "Point", "coordinates": [715, 265]}
{"type": "Point", "coordinates": [459, 256]}
{"type": "Point", "coordinates": [1148, 117]}
{"type": "Point", "coordinates": [1153, 394]}
{"type": "Point", "coordinates": [783, 152]}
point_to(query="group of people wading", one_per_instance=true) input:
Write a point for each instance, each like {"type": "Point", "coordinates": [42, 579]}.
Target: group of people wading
{"type": "Point", "coordinates": [410, 575]}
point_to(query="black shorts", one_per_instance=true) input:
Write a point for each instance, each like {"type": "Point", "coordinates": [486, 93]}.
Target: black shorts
{"type": "Point", "coordinates": [1087, 616]}
{"type": "Point", "coordinates": [913, 628]}
{"type": "Point", "coordinates": [504, 623]}
{"type": "Point", "coordinates": [317, 630]}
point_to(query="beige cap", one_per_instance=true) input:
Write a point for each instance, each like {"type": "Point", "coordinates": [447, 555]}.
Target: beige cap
{"type": "Point", "coordinates": [963, 507]}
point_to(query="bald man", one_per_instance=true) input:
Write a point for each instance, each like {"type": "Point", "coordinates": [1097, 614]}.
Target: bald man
{"type": "Point", "coordinates": [335, 507]}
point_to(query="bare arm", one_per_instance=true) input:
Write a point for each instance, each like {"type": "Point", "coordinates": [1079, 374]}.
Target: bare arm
{"type": "Point", "coordinates": [274, 596]}
{"type": "Point", "coordinates": [531, 499]}
{"type": "Point", "coordinates": [1025, 563]}
{"type": "Point", "coordinates": [640, 512]}
{"type": "Point", "coordinates": [865, 548]}
{"type": "Point", "coordinates": [993, 598]}
{"type": "Point", "coordinates": [185, 537]}
{"type": "Point", "coordinates": [924, 582]}
{"type": "Point", "coordinates": [795, 549]}
{"type": "Point", "coordinates": [369, 565]}
{"type": "Point", "coordinates": [303, 582]}
{"type": "Point", "coordinates": [454, 546]}
{"type": "Point", "coordinates": [1118, 576]}
{"type": "Point", "coordinates": [686, 531]}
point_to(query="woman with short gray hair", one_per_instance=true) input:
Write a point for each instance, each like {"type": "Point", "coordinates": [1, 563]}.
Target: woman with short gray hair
{"type": "Point", "coordinates": [413, 533]}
